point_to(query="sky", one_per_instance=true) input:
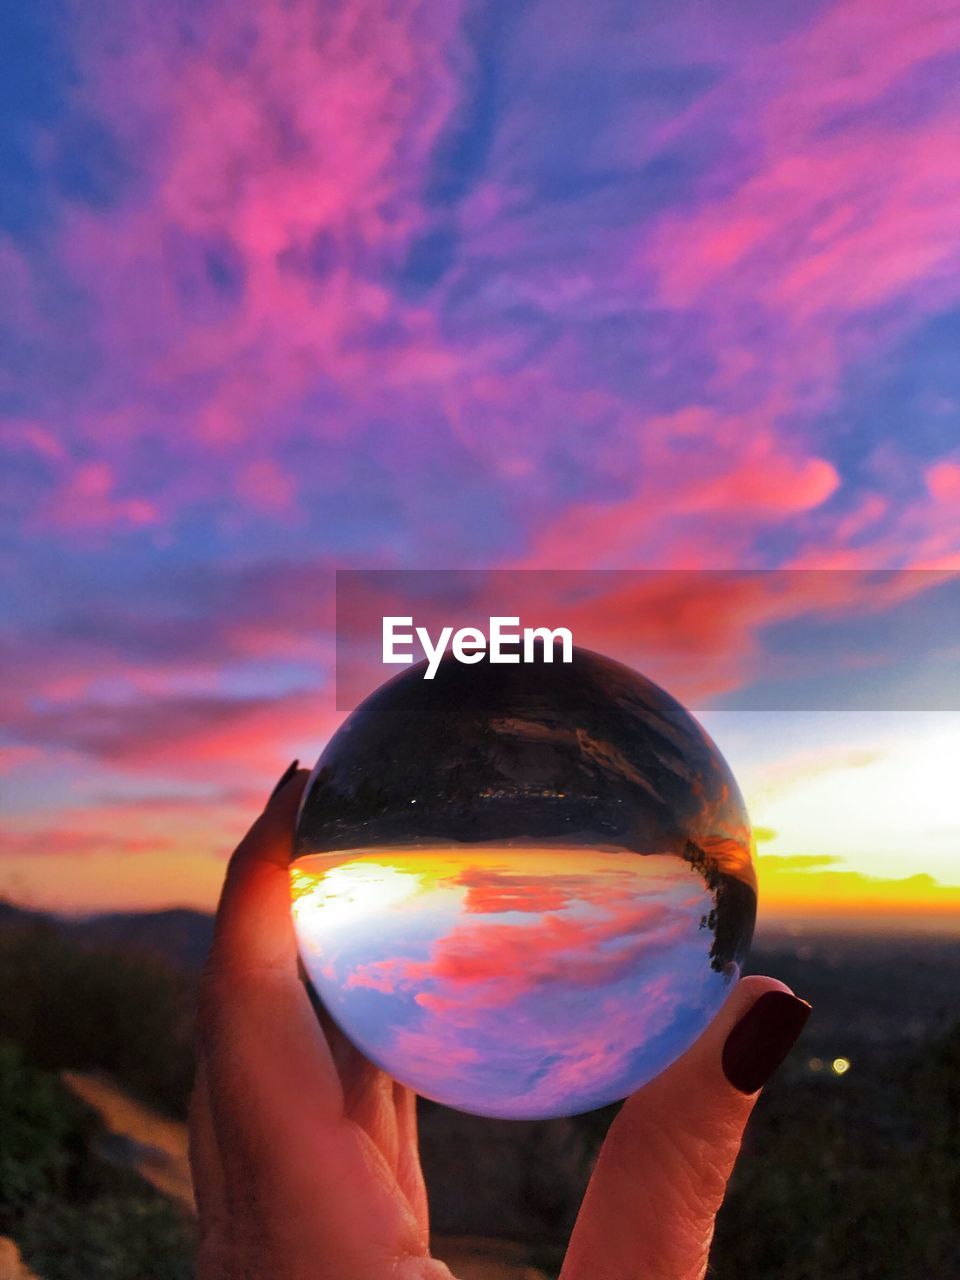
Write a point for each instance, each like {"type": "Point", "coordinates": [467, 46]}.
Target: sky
{"type": "Point", "coordinates": [292, 287]}
{"type": "Point", "coordinates": [517, 983]}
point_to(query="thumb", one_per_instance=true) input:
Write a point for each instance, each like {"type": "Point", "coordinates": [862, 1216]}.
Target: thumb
{"type": "Point", "coordinates": [649, 1210]}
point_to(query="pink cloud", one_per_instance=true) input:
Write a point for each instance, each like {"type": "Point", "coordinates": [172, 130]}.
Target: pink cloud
{"type": "Point", "coordinates": [64, 840]}
{"type": "Point", "coordinates": [311, 202]}
{"type": "Point", "coordinates": [735, 473]}
{"type": "Point", "coordinates": [844, 209]}
{"type": "Point", "coordinates": [494, 965]}
{"type": "Point", "coordinates": [943, 481]}
{"type": "Point", "coordinates": [16, 757]}
{"type": "Point", "coordinates": [699, 634]}
{"type": "Point", "coordinates": [32, 437]}
{"type": "Point", "coordinates": [264, 485]}
{"type": "Point", "coordinates": [86, 499]}
{"type": "Point", "coordinates": [594, 381]}
{"type": "Point", "coordinates": [277, 169]}
{"type": "Point", "coordinates": [184, 734]}
{"type": "Point", "coordinates": [596, 1048]}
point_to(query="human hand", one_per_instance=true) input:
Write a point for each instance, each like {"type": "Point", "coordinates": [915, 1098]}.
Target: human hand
{"type": "Point", "coordinates": [304, 1155]}
{"type": "Point", "coordinates": [651, 1204]}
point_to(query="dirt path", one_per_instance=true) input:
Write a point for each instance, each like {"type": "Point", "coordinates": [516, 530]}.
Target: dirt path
{"type": "Point", "coordinates": [156, 1148]}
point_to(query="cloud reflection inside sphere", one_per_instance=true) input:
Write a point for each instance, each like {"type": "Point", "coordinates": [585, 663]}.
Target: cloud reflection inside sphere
{"type": "Point", "coordinates": [523, 890]}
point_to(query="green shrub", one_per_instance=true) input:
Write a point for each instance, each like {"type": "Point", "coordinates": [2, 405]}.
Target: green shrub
{"type": "Point", "coordinates": [43, 1128]}
{"type": "Point", "coordinates": [73, 1214]}
{"type": "Point", "coordinates": [111, 1238]}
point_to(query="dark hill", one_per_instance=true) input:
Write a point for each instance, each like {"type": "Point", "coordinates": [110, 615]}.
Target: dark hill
{"type": "Point", "coordinates": [179, 935]}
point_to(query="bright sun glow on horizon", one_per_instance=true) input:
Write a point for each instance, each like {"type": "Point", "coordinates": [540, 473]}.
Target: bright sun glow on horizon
{"type": "Point", "coordinates": [870, 794]}
{"type": "Point", "coordinates": [352, 891]}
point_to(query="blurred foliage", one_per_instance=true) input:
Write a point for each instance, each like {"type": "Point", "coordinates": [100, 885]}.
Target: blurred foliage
{"type": "Point", "coordinates": [842, 1178]}
{"type": "Point", "coordinates": [852, 1179]}
{"type": "Point", "coordinates": [98, 1008]}
{"type": "Point", "coordinates": [75, 1215]}
{"type": "Point", "coordinates": [41, 1124]}
{"type": "Point", "coordinates": [111, 1238]}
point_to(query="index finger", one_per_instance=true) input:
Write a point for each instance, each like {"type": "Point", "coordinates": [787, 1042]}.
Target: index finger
{"type": "Point", "coordinates": [258, 1029]}
{"type": "Point", "coordinates": [254, 930]}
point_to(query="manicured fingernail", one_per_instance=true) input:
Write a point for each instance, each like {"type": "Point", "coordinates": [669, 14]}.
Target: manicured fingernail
{"type": "Point", "coordinates": [762, 1039]}
{"type": "Point", "coordinates": [284, 778]}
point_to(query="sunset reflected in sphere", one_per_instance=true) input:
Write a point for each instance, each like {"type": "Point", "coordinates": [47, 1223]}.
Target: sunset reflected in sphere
{"type": "Point", "coordinates": [523, 890]}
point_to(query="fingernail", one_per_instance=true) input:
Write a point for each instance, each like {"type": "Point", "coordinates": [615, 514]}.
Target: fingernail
{"type": "Point", "coordinates": [762, 1039]}
{"type": "Point", "coordinates": [284, 778]}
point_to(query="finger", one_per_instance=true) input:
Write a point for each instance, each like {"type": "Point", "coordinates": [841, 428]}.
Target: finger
{"type": "Point", "coordinates": [409, 1171]}
{"type": "Point", "coordinates": [663, 1169]}
{"type": "Point", "coordinates": [367, 1091]}
{"type": "Point", "coordinates": [384, 1109]}
{"type": "Point", "coordinates": [256, 948]}
{"type": "Point", "coordinates": [267, 1059]}
{"type": "Point", "coordinates": [254, 930]}
{"type": "Point", "coordinates": [291, 1157]}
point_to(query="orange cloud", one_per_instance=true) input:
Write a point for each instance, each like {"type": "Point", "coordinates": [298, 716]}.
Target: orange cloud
{"type": "Point", "coordinates": [494, 889]}
{"type": "Point", "coordinates": [818, 886]}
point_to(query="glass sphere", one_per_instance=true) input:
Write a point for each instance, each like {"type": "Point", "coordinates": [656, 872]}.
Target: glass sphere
{"type": "Point", "coordinates": [523, 890]}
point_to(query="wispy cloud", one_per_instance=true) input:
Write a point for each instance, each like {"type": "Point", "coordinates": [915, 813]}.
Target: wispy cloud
{"type": "Point", "coordinates": [288, 287]}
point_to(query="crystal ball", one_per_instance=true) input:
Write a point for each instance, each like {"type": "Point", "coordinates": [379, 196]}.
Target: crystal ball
{"type": "Point", "coordinates": [523, 890]}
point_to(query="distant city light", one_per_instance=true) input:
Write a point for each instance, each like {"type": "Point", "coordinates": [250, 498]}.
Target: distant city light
{"type": "Point", "coordinates": [840, 1066]}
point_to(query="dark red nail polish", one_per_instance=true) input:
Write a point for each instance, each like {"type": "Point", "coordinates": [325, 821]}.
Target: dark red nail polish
{"type": "Point", "coordinates": [762, 1039]}
{"type": "Point", "coordinates": [284, 778]}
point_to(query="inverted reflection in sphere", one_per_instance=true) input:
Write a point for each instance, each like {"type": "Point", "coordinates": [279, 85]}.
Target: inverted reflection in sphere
{"type": "Point", "coordinates": [523, 890]}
